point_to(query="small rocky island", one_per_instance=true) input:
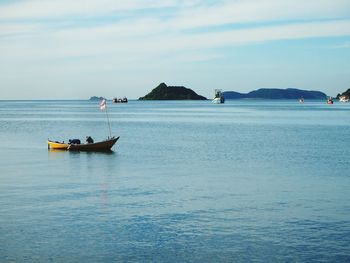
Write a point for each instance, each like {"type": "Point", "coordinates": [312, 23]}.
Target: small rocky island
{"type": "Point", "coordinates": [95, 98]}
{"type": "Point", "coordinates": [164, 92]}
{"type": "Point", "coordinates": [282, 94]}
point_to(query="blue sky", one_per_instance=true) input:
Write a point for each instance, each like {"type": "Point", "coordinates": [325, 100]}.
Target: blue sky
{"type": "Point", "coordinates": [114, 48]}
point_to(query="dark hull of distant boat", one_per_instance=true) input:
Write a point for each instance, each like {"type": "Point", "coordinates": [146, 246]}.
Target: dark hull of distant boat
{"type": "Point", "coordinates": [124, 100]}
{"type": "Point", "coordinates": [94, 147]}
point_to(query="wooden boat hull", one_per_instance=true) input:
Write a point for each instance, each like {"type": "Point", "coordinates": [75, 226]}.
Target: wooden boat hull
{"type": "Point", "coordinates": [91, 147]}
{"type": "Point", "coordinates": [94, 147]}
{"type": "Point", "coordinates": [57, 145]}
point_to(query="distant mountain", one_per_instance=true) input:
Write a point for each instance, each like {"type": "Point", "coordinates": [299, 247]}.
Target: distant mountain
{"type": "Point", "coordinates": [94, 98]}
{"type": "Point", "coordinates": [164, 92]}
{"type": "Point", "coordinates": [275, 94]}
{"type": "Point", "coordinates": [345, 93]}
{"type": "Point", "coordinates": [233, 95]}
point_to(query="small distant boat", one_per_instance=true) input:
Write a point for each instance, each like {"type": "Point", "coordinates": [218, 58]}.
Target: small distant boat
{"type": "Point", "coordinates": [344, 98]}
{"type": "Point", "coordinates": [123, 100]}
{"type": "Point", "coordinates": [301, 100]}
{"type": "Point", "coordinates": [330, 100]}
{"type": "Point", "coordinates": [75, 145]}
{"type": "Point", "coordinates": [219, 98]}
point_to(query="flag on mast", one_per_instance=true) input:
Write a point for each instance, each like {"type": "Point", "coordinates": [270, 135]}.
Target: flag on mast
{"type": "Point", "coordinates": [103, 104]}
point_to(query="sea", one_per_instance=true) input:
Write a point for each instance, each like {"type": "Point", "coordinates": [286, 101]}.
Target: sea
{"type": "Point", "coordinates": [188, 181]}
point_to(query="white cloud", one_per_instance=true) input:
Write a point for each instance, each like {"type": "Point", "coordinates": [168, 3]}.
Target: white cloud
{"type": "Point", "coordinates": [128, 47]}
{"type": "Point", "coordinates": [38, 9]}
{"type": "Point", "coordinates": [133, 28]}
{"type": "Point", "coordinates": [197, 57]}
{"type": "Point", "coordinates": [11, 29]}
{"type": "Point", "coordinates": [136, 24]}
{"type": "Point", "coordinates": [60, 38]}
{"type": "Point", "coordinates": [249, 11]}
{"type": "Point", "coordinates": [184, 14]}
{"type": "Point", "coordinates": [271, 33]}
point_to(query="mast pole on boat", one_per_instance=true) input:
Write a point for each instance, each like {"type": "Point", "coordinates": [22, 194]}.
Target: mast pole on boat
{"type": "Point", "coordinates": [109, 125]}
{"type": "Point", "coordinates": [103, 106]}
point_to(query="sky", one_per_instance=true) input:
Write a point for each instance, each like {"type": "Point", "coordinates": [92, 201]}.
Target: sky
{"type": "Point", "coordinates": [63, 49]}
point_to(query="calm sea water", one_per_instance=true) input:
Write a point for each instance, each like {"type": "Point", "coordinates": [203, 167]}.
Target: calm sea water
{"type": "Point", "coordinates": [261, 181]}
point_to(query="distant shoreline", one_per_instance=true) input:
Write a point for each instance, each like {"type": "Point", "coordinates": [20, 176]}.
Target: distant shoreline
{"type": "Point", "coordinates": [111, 100]}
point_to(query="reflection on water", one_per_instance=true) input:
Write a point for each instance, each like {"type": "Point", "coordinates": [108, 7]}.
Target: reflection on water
{"type": "Point", "coordinates": [53, 151]}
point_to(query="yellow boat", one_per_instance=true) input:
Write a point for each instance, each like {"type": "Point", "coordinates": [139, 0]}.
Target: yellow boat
{"type": "Point", "coordinates": [55, 145]}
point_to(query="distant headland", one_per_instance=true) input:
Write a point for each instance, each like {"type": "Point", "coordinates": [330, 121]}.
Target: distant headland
{"type": "Point", "coordinates": [164, 92]}
{"type": "Point", "coordinates": [345, 93]}
{"type": "Point", "coordinates": [276, 94]}
{"type": "Point", "coordinates": [95, 98]}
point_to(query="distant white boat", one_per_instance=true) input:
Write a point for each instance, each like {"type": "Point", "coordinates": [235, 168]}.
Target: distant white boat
{"type": "Point", "coordinates": [344, 98]}
{"type": "Point", "coordinates": [219, 98]}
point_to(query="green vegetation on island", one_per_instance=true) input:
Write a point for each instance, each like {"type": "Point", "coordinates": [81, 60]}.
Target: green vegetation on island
{"type": "Point", "coordinates": [345, 93]}
{"type": "Point", "coordinates": [164, 92]}
{"type": "Point", "coordinates": [276, 94]}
